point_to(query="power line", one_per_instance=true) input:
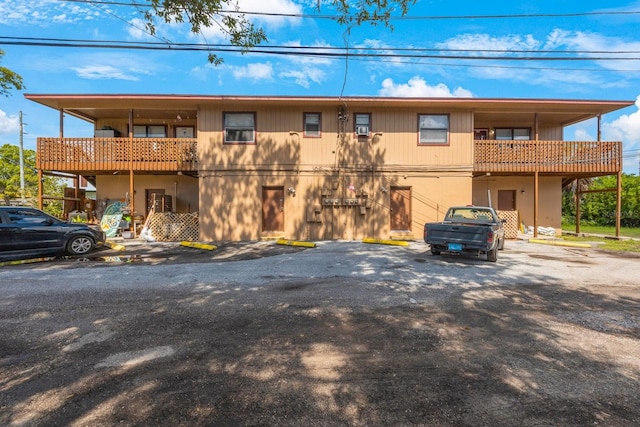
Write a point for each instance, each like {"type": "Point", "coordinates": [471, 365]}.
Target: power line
{"type": "Point", "coordinates": [330, 48]}
{"type": "Point", "coordinates": [405, 17]}
{"type": "Point", "coordinates": [312, 51]}
{"type": "Point", "coordinates": [127, 22]}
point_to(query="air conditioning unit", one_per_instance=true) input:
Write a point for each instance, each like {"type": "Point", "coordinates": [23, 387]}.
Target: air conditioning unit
{"type": "Point", "coordinates": [362, 130]}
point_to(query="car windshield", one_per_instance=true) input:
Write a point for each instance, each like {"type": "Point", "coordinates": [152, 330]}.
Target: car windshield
{"type": "Point", "coordinates": [470, 214]}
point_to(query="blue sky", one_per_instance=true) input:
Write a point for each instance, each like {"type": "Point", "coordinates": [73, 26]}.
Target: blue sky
{"type": "Point", "coordinates": [600, 40]}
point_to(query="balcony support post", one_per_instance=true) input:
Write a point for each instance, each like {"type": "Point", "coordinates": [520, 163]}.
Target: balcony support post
{"type": "Point", "coordinates": [578, 200]}
{"type": "Point", "coordinates": [132, 204]}
{"type": "Point", "coordinates": [618, 202]}
{"type": "Point", "coordinates": [76, 193]}
{"type": "Point", "coordinates": [40, 189]}
{"type": "Point", "coordinates": [61, 123]}
{"type": "Point", "coordinates": [536, 184]}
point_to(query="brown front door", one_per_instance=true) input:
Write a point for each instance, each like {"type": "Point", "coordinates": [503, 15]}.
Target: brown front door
{"type": "Point", "coordinates": [272, 208]}
{"type": "Point", "coordinates": [506, 200]}
{"type": "Point", "coordinates": [400, 205]}
{"type": "Point", "coordinates": [154, 198]}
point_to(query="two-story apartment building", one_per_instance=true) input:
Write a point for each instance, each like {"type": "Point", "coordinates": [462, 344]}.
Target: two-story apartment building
{"type": "Point", "coordinates": [322, 168]}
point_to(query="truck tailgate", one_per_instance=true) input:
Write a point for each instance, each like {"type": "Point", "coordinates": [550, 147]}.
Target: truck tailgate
{"type": "Point", "coordinates": [470, 236]}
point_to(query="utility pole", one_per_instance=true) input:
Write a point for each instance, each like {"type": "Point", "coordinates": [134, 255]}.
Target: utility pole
{"type": "Point", "coordinates": [23, 201]}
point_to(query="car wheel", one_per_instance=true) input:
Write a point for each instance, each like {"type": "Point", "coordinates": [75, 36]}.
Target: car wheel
{"type": "Point", "coordinates": [492, 255]}
{"type": "Point", "coordinates": [435, 251]}
{"type": "Point", "coordinates": [79, 245]}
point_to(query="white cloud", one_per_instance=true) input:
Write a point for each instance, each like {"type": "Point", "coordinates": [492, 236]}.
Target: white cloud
{"type": "Point", "coordinates": [284, 7]}
{"type": "Point", "coordinates": [418, 87]}
{"type": "Point", "coordinates": [599, 45]}
{"type": "Point", "coordinates": [103, 72]}
{"type": "Point", "coordinates": [304, 76]}
{"type": "Point", "coordinates": [540, 72]}
{"type": "Point", "coordinates": [487, 43]}
{"type": "Point", "coordinates": [137, 29]}
{"type": "Point", "coordinates": [9, 124]}
{"type": "Point", "coordinates": [27, 12]}
{"type": "Point", "coordinates": [281, 7]}
{"type": "Point", "coordinates": [314, 49]}
{"type": "Point", "coordinates": [371, 45]}
{"type": "Point", "coordinates": [625, 128]}
{"type": "Point", "coordinates": [255, 72]}
{"type": "Point", "coordinates": [581, 134]}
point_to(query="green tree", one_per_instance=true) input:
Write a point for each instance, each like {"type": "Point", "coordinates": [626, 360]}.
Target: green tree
{"type": "Point", "coordinates": [9, 79]}
{"type": "Point", "coordinates": [10, 187]}
{"type": "Point", "coordinates": [243, 33]}
{"type": "Point", "coordinates": [600, 208]}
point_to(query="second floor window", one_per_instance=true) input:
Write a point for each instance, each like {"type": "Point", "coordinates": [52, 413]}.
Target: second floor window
{"type": "Point", "coordinates": [362, 124]}
{"type": "Point", "coordinates": [312, 124]}
{"type": "Point", "coordinates": [240, 128]}
{"type": "Point", "coordinates": [433, 129]}
{"type": "Point", "coordinates": [155, 131]}
{"type": "Point", "coordinates": [513, 134]}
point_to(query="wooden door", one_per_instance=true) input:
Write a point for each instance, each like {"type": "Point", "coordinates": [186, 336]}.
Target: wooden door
{"type": "Point", "coordinates": [506, 200]}
{"type": "Point", "coordinates": [400, 206]}
{"type": "Point", "coordinates": [272, 208]}
{"type": "Point", "coordinates": [154, 198]}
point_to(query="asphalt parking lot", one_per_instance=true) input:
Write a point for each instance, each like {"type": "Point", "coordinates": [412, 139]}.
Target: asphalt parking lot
{"type": "Point", "coordinates": [345, 333]}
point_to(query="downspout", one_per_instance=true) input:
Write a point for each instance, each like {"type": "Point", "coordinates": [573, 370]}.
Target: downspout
{"type": "Point", "coordinates": [131, 183]}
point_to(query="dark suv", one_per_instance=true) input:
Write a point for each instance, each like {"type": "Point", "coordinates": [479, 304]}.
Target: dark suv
{"type": "Point", "coordinates": [27, 232]}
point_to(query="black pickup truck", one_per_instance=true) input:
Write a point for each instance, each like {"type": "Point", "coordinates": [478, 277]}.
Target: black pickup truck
{"type": "Point", "coordinates": [475, 229]}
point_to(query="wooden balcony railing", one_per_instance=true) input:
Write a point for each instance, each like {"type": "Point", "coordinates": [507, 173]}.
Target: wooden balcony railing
{"type": "Point", "coordinates": [180, 154]}
{"type": "Point", "coordinates": [547, 156]}
{"type": "Point", "coordinates": [111, 154]}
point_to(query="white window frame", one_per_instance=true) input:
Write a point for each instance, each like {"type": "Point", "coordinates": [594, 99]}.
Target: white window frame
{"type": "Point", "coordinates": [239, 127]}
{"type": "Point", "coordinates": [312, 125]}
{"type": "Point", "coordinates": [432, 130]}
{"type": "Point", "coordinates": [513, 134]}
{"type": "Point", "coordinates": [185, 132]}
{"type": "Point", "coordinates": [362, 120]}
{"type": "Point", "coordinates": [149, 131]}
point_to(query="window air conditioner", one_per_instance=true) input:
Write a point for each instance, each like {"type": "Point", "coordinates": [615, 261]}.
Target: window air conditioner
{"type": "Point", "coordinates": [362, 130]}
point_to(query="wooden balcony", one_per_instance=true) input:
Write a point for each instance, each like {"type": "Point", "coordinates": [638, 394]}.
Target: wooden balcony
{"type": "Point", "coordinates": [551, 157]}
{"type": "Point", "coordinates": [102, 155]}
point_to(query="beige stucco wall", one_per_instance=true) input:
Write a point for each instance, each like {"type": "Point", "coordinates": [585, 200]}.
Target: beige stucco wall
{"type": "Point", "coordinates": [549, 193]}
{"type": "Point", "coordinates": [183, 189]}
{"type": "Point", "coordinates": [232, 176]}
{"type": "Point", "coordinates": [280, 142]}
{"type": "Point", "coordinates": [231, 205]}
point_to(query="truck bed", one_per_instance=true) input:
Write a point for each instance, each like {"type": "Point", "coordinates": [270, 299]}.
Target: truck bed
{"type": "Point", "coordinates": [466, 229]}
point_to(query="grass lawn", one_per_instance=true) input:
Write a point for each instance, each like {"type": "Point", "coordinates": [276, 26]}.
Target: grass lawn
{"type": "Point", "coordinates": [607, 244]}
{"type": "Point", "coordinates": [607, 231]}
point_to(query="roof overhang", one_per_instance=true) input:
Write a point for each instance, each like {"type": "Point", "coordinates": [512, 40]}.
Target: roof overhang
{"type": "Point", "coordinates": [92, 107]}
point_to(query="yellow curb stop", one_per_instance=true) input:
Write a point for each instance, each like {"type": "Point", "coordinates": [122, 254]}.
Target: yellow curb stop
{"type": "Point", "coordinates": [114, 246]}
{"type": "Point", "coordinates": [560, 243]}
{"type": "Point", "coordinates": [386, 242]}
{"type": "Point", "coordinates": [199, 246]}
{"type": "Point", "coordinates": [26, 261]}
{"type": "Point", "coordinates": [295, 243]}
